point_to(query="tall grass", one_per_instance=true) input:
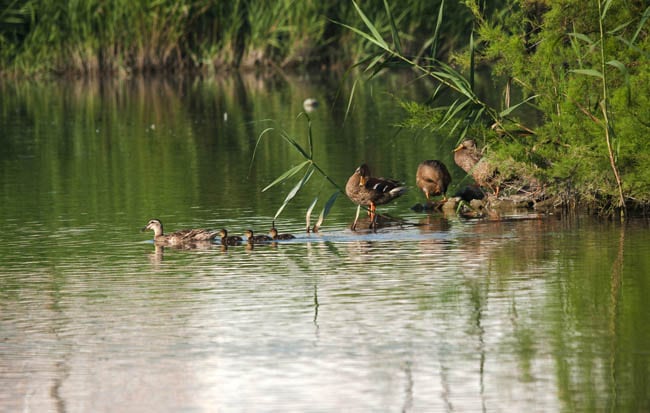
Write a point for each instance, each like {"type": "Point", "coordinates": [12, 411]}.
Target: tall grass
{"type": "Point", "coordinates": [605, 121]}
{"type": "Point", "coordinates": [124, 36]}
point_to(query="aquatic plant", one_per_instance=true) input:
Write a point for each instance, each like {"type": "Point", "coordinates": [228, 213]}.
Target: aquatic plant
{"type": "Point", "coordinates": [307, 167]}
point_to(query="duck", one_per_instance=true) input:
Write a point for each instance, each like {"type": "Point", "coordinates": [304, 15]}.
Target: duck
{"type": "Point", "coordinates": [433, 178]}
{"type": "Point", "coordinates": [179, 237]}
{"type": "Point", "coordinates": [470, 159]}
{"type": "Point", "coordinates": [256, 239]}
{"type": "Point", "coordinates": [275, 236]}
{"type": "Point", "coordinates": [365, 190]}
{"type": "Point", "coordinates": [229, 240]}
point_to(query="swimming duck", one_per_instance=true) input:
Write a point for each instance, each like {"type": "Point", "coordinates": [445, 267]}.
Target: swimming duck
{"type": "Point", "coordinates": [229, 240]}
{"type": "Point", "coordinates": [179, 237]}
{"type": "Point", "coordinates": [256, 239]}
{"type": "Point", "coordinates": [275, 236]}
{"type": "Point", "coordinates": [362, 189]}
{"type": "Point", "coordinates": [433, 178]}
{"type": "Point", "coordinates": [469, 159]}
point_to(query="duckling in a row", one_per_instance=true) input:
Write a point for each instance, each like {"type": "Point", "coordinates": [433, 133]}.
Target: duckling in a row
{"type": "Point", "coordinates": [256, 239]}
{"type": "Point", "coordinates": [186, 236]}
{"type": "Point", "coordinates": [275, 236]}
{"type": "Point", "coordinates": [229, 239]}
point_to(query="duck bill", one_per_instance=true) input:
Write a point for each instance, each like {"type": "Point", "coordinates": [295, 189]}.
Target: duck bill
{"type": "Point", "coordinates": [362, 181]}
{"type": "Point", "coordinates": [458, 148]}
{"type": "Point", "coordinates": [144, 228]}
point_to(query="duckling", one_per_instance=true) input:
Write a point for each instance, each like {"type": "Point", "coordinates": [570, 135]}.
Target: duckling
{"type": "Point", "coordinates": [229, 240]}
{"type": "Point", "coordinates": [275, 236]}
{"type": "Point", "coordinates": [179, 237]}
{"type": "Point", "coordinates": [256, 239]}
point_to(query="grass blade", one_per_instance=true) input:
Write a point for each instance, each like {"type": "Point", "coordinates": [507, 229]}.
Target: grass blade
{"type": "Point", "coordinates": [436, 33]}
{"type": "Point", "coordinates": [308, 214]}
{"type": "Point", "coordinates": [349, 106]}
{"type": "Point", "coordinates": [393, 28]}
{"type": "Point", "coordinates": [472, 65]}
{"type": "Point", "coordinates": [295, 144]}
{"type": "Point", "coordinates": [582, 37]}
{"type": "Point", "coordinates": [288, 174]}
{"type": "Point", "coordinates": [606, 5]}
{"type": "Point", "coordinates": [294, 191]}
{"type": "Point", "coordinates": [326, 210]}
{"type": "Point", "coordinates": [646, 15]}
{"type": "Point", "coordinates": [588, 72]}
{"type": "Point", "coordinates": [259, 138]}
{"type": "Point", "coordinates": [378, 40]}
{"type": "Point", "coordinates": [509, 110]}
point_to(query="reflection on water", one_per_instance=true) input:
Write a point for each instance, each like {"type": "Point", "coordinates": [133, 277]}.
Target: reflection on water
{"type": "Point", "coordinates": [448, 316]}
{"type": "Point", "coordinates": [436, 313]}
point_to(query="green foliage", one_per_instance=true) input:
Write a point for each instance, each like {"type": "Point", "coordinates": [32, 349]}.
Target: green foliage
{"type": "Point", "coordinates": [121, 36]}
{"type": "Point", "coordinates": [574, 70]}
{"type": "Point", "coordinates": [584, 67]}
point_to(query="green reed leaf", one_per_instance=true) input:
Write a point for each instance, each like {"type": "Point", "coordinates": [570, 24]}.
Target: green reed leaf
{"type": "Point", "coordinates": [288, 174]}
{"type": "Point", "coordinates": [376, 37]}
{"type": "Point", "coordinates": [436, 33]}
{"type": "Point", "coordinates": [326, 210]}
{"type": "Point", "coordinates": [582, 37]}
{"type": "Point", "coordinates": [295, 144]}
{"type": "Point", "coordinates": [308, 214]}
{"type": "Point", "coordinates": [294, 191]}
{"type": "Point", "coordinates": [588, 72]}
{"type": "Point", "coordinates": [646, 15]}
{"type": "Point", "coordinates": [509, 110]}
{"type": "Point", "coordinates": [606, 5]}
{"type": "Point", "coordinates": [393, 28]}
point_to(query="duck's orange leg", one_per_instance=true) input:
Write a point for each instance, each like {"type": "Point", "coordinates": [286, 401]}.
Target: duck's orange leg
{"type": "Point", "coordinates": [373, 216]}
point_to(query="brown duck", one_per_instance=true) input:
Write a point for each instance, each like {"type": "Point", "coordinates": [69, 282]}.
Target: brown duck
{"type": "Point", "coordinates": [229, 239]}
{"type": "Point", "coordinates": [363, 189]}
{"type": "Point", "coordinates": [275, 236]}
{"type": "Point", "coordinates": [179, 237]}
{"type": "Point", "coordinates": [470, 159]}
{"type": "Point", "coordinates": [433, 178]}
{"type": "Point", "coordinates": [256, 239]}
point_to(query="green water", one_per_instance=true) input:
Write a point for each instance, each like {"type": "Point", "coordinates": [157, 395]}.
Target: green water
{"type": "Point", "coordinates": [537, 313]}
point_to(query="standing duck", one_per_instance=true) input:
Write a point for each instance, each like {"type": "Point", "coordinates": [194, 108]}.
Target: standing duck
{"type": "Point", "coordinates": [362, 189]}
{"type": "Point", "coordinates": [433, 178]}
{"type": "Point", "coordinates": [256, 239]}
{"type": "Point", "coordinates": [470, 160]}
{"type": "Point", "coordinates": [275, 236]}
{"type": "Point", "coordinates": [179, 237]}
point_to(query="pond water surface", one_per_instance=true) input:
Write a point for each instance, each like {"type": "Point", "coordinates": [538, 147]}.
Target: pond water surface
{"type": "Point", "coordinates": [525, 313]}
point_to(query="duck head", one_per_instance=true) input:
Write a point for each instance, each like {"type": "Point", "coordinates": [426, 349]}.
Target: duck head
{"type": "Point", "coordinates": [155, 225]}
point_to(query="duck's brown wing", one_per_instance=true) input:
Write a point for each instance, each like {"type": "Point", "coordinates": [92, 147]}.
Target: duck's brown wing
{"type": "Point", "coordinates": [383, 190]}
{"type": "Point", "coordinates": [381, 184]}
{"type": "Point", "coordinates": [199, 234]}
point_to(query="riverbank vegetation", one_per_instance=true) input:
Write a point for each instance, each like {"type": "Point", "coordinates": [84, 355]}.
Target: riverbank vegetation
{"type": "Point", "coordinates": [583, 68]}
{"type": "Point", "coordinates": [131, 36]}
{"type": "Point", "coordinates": [571, 114]}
